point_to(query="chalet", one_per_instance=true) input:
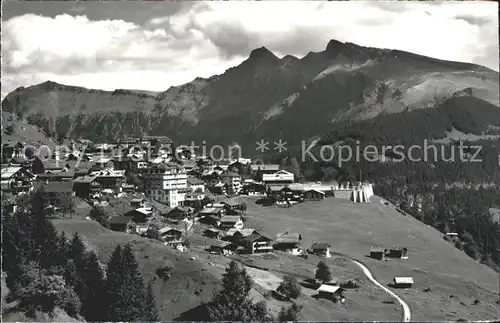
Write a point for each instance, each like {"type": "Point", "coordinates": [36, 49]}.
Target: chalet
{"type": "Point", "coordinates": [253, 189]}
{"type": "Point", "coordinates": [109, 179]}
{"type": "Point", "coordinates": [212, 233]}
{"type": "Point", "coordinates": [279, 178]}
{"type": "Point", "coordinates": [256, 243]}
{"type": "Point", "coordinates": [21, 162]}
{"type": "Point", "coordinates": [220, 188]}
{"type": "Point", "coordinates": [231, 221]}
{"type": "Point", "coordinates": [403, 282]}
{"type": "Point", "coordinates": [54, 190]}
{"type": "Point", "coordinates": [16, 180]}
{"type": "Point", "coordinates": [194, 199]}
{"type": "Point", "coordinates": [138, 202]}
{"type": "Point", "coordinates": [236, 234]}
{"type": "Point", "coordinates": [86, 186]}
{"type": "Point", "coordinates": [330, 292]}
{"type": "Point", "coordinates": [378, 253]}
{"type": "Point", "coordinates": [195, 185]}
{"type": "Point", "coordinates": [210, 220]}
{"type": "Point", "coordinates": [101, 162]}
{"type": "Point", "coordinates": [314, 195]}
{"type": "Point", "coordinates": [234, 212]}
{"type": "Point", "coordinates": [219, 169]}
{"type": "Point", "coordinates": [236, 166]}
{"type": "Point", "coordinates": [397, 252]}
{"type": "Point", "coordinates": [122, 223]}
{"type": "Point", "coordinates": [169, 234]}
{"type": "Point", "coordinates": [321, 249]}
{"type": "Point", "coordinates": [211, 178]}
{"type": "Point", "coordinates": [260, 170]}
{"type": "Point", "coordinates": [140, 215]}
{"type": "Point", "coordinates": [232, 180]}
{"type": "Point", "coordinates": [232, 205]}
{"type": "Point", "coordinates": [223, 248]}
{"type": "Point", "coordinates": [288, 241]}
{"type": "Point", "coordinates": [179, 213]}
{"type": "Point", "coordinates": [11, 150]}
{"type": "Point", "coordinates": [218, 212]}
{"type": "Point", "coordinates": [64, 176]}
{"type": "Point", "coordinates": [128, 188]}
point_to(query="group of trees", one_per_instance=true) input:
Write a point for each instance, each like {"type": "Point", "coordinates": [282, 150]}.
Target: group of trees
{"type": "Point", "coordinates": [45, 270]}
{"type": "Point", "coordinates": [232, 303]}
{"type": "Point", "coordinates": [461, 209]}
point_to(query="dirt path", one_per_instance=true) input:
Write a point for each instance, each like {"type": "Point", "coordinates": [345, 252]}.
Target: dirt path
{"type": "Point", "coordinates": [406, 308]}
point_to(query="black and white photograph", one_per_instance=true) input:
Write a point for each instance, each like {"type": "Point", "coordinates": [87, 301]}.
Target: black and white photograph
{"type": "Point", "coordinates": [249, 161]}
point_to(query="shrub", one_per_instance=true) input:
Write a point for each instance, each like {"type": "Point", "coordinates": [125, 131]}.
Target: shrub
{"type": "Point", "coordinates": [164, 272]}
{"type": "Point", "coordinates": [290, 314]}
{"type": "Point", "coordinates": [9, 130]}
{"type": "Point", "coordinates": [289, 287]}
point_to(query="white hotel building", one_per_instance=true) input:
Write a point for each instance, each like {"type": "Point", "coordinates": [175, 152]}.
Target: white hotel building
{"type": "Point", "coordinates": [166, 183]}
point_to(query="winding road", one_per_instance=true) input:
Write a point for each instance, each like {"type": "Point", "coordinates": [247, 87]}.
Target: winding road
{"type": "Point", "coordinates": [406, 308]}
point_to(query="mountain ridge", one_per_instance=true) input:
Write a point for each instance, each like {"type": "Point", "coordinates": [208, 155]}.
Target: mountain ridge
{"type": "Point", "coordinates": [345, 81]}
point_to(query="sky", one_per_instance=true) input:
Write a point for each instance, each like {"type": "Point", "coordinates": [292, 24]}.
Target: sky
{"type": "Point", "coordinates": [154, 45]}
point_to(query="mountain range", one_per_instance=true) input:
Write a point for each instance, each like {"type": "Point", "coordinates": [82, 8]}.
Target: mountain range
{"type": "Point", "coordinates": [264, 97]}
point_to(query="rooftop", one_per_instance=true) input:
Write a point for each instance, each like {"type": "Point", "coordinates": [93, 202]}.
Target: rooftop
{"type": "Point", "coordinates": [56, 187]}
{"type": "Point", "coordinates": [328, 288]}
{"type": "Point", "coordinates": [9, 171]}
{"type": "Point", "coordinates": [288, 237]}
{"type": "Point", "coordinates": [320, 246]}
{"type": "Point", "coordinates": [403, 280]}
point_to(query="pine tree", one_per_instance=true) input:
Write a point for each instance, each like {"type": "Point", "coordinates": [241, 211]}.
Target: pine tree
{"type": "Point", "coordinates": [75, 267]}
{"type": "Point", "coordinates": [236, 282]}
{"type": "Point", "coordinates": [94, 300]}
{"type": "Point", "coordinates": [135, 296]}
{"type": "Point", "coordinates": [232, 303]}
{"type": "Point", "coordinates": [15, 248]}
{"type": "Point", "coordinates": [323, 272]}
{"type": "Point", "coordinates": [49, 256]}
{"type": "Point", "coordinates": [114, 286]}
{"type": "Point", "coordinates": [37, 167]}
{"type": "Point", "coordinates": [151, 311]}
{"type": "Point", "coordinates": [77, 250]}
{"type": "Point", "coordinates": [125, 287]}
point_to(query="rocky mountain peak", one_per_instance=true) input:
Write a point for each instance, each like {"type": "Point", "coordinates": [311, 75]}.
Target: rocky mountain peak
{"type": "Point", "coordinates": [334, 46]}
{"type": "Point", "coordinates": [262, 53]}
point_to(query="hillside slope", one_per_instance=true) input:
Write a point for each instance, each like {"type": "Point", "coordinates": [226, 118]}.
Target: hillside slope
{"type": "Point", "coordinates": [454, 280]}
{"type": "Point", "coordinates": [263, 95]}
{"type": "Point", "coordinates": [23, 131]}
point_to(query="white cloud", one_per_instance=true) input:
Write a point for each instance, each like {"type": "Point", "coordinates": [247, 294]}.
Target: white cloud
{"type": "Point", "coordinates": [212, 36]}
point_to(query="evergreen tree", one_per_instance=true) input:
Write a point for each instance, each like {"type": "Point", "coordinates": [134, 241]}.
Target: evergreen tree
{"type": "Point", "coordinates": [232, 303]}
{"type": "Point", "coordinates": [323, 272]}
{"type": "Point", "coordinates": [37, 167]}
{"type": "Point", "coordinates": [151, 311]}
{"type": "Point", "coordinates": [15, 248]}
{"type": "Point", "coordinates": [125, 287]}
{"type": "Point", "coordinates": [114, 286]}
{"type": "Point", "coordinates": [77, 250]}
{"type": "Point", "coordinates": [135, 296]}
{"type": "Point", "coordinates": [94, 300]}
{"type": "Point", "coordinates": [75, 267]}
{"type": "Point", "coordinates": [236, 282]}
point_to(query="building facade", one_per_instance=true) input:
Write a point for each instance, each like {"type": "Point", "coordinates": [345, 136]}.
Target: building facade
{"type": "Point", "coordinates": [166, 183]}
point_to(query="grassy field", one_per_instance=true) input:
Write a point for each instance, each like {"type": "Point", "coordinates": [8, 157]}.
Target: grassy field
{"type": "Point", "coordinates": [455, 280]}
{"type": "Point", "coordinates": [23, 132]}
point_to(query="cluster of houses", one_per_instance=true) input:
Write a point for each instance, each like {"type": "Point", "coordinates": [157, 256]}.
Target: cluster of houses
{"type": "Point", "coordinates": [174, 181]}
